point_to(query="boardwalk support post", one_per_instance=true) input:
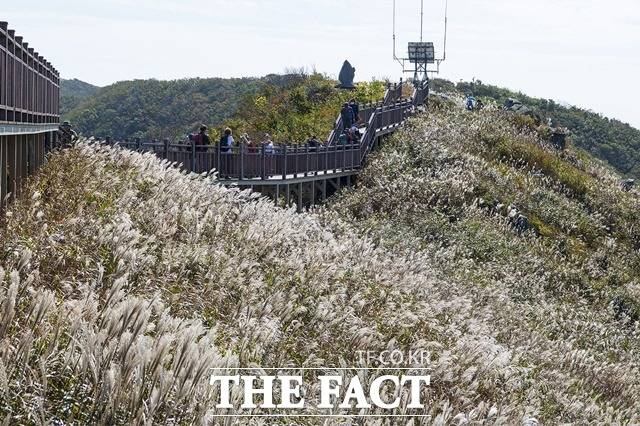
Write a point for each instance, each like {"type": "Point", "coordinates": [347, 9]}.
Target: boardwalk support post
{"type": "Point", "coordinates": [263, 173]}
{"type": "Point", "coordinates": [193, 156]}
{"type": "Point", "coordinates": [241, 148]}
{"type": "Point", "coordinates": [284, 169]}
{"type": "Point", "coordinates": [288, 191]}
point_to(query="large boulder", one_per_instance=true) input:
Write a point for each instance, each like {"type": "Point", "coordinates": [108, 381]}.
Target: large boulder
{"type": "Point", "coordinates": [347, 75]}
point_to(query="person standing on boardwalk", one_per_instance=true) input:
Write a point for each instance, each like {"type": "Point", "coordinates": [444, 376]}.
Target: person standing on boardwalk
{"type": "Point", "coordinates": [356, 110]}
{"type": "Point", "coordinates": [66, 135]}
{"type": "Point", "coordinates": [202, 139]}
{"type": "Point", "coordinates": [226, 141]}
{"type": "Point", "coordinates": [347, 116]}
{"type": "Point", "coordinates": [268, 145]}
{"type": "Point", "coordinates": [313, 143]}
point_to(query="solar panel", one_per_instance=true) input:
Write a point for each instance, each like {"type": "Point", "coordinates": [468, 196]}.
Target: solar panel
{"type": "Point", "coordinates": [422, 52]}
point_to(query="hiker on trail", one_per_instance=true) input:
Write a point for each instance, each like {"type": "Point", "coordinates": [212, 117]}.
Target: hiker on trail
{"type": "Point", "coordinates": [66, 135]}
{"type": "Point", "coordinates": [355, 134]}
{"type": "Point", "coordinates": [268, 145]}
{"type": "Point", "coordinates": [344, 137]}
{"type": "Point", "coordinates": [204, 137]}
{"type": "Point", "coordinates": [252, 147]}
{"type": "Point", "coordinates": [313, 143]}
{"type": "Point", "coordinates": [356, 110]}
{"type": "Point", "coordinates": [347, 116]}
{"type": "Point", "coordinates": [470, 102]}
{"type": "Point", "coordinates": [226, 141]}
{"type": "Point", "coordinates": [201, 139]}
{"type": "Point", "coordinates": [479, 104]}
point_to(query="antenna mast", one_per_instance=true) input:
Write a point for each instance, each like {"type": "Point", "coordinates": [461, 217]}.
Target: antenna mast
{"type": "Point", "coordinates": [446, 14]}
{"type": "Point", "coordinates": [395, 57]}
{"type": "Point", "coordinates": [421, 18]}
{"type": "Point", "coordinates": [421, 54]}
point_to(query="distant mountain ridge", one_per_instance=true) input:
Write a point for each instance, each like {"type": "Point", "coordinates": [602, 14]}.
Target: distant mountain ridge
{"type": "Point", "coordinates": [74, 92]}
{"type": "Point", "coordinates": [163, 109]}
{"type": "Point", "coordinates": [171, 109]}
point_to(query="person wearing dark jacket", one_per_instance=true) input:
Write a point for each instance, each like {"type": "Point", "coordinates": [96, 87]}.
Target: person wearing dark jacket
{"type": "Point", "coordinates": [356, 110]}
{"type": "Point", "coordinates": [202, 138]}
{"type": "Point", "coordinates": [347, 116]}
{"type": "Point", "coordinates": [313, 143]}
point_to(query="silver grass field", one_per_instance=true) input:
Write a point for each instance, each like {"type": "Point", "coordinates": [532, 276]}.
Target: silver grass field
{"type": "Point", "coordinates": [123, 281]}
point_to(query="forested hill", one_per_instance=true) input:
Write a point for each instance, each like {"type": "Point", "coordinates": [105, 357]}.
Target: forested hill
{"type": "Point", "coordinates": [609, 139]}
{"type": "Point", "coordinates": [170, 109]}
{"type": "Point", "coordinates": [159, 109]}
{"type": "Point", "coordinates": [73, 92]}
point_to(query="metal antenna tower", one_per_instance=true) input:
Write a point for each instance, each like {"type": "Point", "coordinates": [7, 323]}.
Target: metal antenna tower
{"type": "Point", "coordinates": [421, 54]}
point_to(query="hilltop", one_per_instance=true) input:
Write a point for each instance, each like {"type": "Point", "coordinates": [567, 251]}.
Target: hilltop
{"type": "Point", "coordinates": [165, 109]}
{"type": "Point", "coordinates": [294, 106]}
{"type": "Point", "coordinates": [612, 140]}
{"type": "Point", "coordinates": [73, 93]}
{"type": "Point", "coordinates": [133, 279]}
{"type": "Point", "coordinates": [290, 107]}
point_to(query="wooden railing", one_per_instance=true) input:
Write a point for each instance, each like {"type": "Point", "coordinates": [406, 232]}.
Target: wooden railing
{"type": "Point", "coordinates": [29, 84]}
{"type": "Point", "coordinates": [29, 110]}
{"type": "Point", "coordinates": [393, 94]}
{"type": "Point", "coordinates": [295, 161]}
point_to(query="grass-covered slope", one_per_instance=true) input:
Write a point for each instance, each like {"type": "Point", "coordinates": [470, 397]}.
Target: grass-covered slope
{"type": "Point", "coordinates": [298, 111]}
{"type": "Point", "coordinates": [564, 302]}
{"type": "Point", "coordinates": [609, 139]}
{"type": "Point", "coordinates": [123, 281]}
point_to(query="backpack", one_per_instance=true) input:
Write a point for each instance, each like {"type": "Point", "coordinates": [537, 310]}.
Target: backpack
{"type": "Point", "coordinates": [198, 139]}
{"type": "Point", "coordinates": [224, 143]}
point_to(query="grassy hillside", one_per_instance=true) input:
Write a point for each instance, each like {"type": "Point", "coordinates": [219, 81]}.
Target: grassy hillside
{"type": "Point", "coordinates": [562, 297]}
{"type": "Point", "coordinates": [131, 280]}
{"type": "Point", "coordinates": [609, 139]}
{"type": "Point", "coordinates": [165, 109]}
{"type": "Point", "coordinates": [296, 112]}
{"type": "Point", "coordinates": [289, 107]}
{"type": "Point", "coordinates": [73, 93]}
{"type": "Point", "coordinates": [293, 107]}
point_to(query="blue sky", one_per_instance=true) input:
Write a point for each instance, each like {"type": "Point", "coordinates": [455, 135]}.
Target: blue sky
{"type": "Point", "coordinates": [583, 52]}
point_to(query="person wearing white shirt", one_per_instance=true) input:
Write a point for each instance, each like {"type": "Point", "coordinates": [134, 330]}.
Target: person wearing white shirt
{"type": "Point", "coordinates": [226, 141]}
{"type": "Point", "coordinates": [268, 145]}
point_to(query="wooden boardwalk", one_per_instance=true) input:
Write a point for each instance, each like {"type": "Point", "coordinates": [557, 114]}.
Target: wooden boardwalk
{"type": "Point", "coordinates": [293, 173]}
{"type": "Point", "coordinates": [296, 173]}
